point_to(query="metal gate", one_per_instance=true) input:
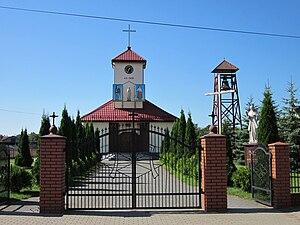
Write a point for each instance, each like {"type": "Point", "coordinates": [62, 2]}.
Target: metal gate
{"type": "Point", "coordinates": [261, 175]}
{"type": "Point", "coordinates": [158, 172]}
{"type": "Point", "coordinates": [4, 174]}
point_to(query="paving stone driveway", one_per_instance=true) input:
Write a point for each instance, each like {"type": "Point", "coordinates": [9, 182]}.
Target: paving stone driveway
{"type": "Point", "coordinates": [240, 212]}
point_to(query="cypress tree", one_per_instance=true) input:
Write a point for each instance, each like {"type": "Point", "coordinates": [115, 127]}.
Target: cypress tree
{"type": "Point", "coordinates": [23, 158]}
{"type": "Point", "coordinates": [167, 143]}
{"type": "Point", "coordinates": [73, 141]}
{"type": "Point", "coordinates": [228, 132]}
{"type": "Point", "coordinates": [44, 130]}
{"type": "Point", "coordinates": [79, 135]}
{"type": "Point", "coordinates": [190, 136]}
{"type": "Point", "coordinates": [64, 130]}
{"type": "Point", "coordinates": [97, 141]}
{"type": "Point", "coordinates": [181, 133]}
{"type": "Point", "coordinates": [182, 127]}
{"type": "Point", "coordinates": [267, 129]}
{"type": "Point", "coordinates": [174, 136]}
{"type": "Point", "coordinates": [92, 137]}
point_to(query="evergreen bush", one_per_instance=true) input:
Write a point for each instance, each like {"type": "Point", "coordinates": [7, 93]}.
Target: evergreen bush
{"type": "Point", "coordinates": [268, 129]}
{"type": "Point", "coordinates": [20, 178]}
{"type": "Point", "coordinates": [23, 158]}
{"type": "Point", "coordinates": [242, 178]}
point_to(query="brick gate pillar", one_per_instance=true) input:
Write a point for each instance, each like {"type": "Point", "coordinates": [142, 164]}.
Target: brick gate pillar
{"type": "Point", "coordinates": [52, 174]}
{"type": "Point", "coordinates": [214, 180]}
{"type": "Point", "coordinates": [280, 174]}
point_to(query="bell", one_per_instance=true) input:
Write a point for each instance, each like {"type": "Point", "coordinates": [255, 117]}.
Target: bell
{"type": "Point", "coordinates": [225, 85]}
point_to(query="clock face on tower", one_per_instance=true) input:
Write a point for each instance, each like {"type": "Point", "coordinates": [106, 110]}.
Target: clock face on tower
{"type": "Point", "coordinates": [128, 69]}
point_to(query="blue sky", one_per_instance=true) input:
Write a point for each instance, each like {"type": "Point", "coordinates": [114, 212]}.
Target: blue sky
{"type": "Point", "coordinates": [47, 61]}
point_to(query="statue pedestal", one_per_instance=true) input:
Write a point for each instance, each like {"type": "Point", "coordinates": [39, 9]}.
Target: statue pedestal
{"type": "Point", "coordinates": [247, 153]}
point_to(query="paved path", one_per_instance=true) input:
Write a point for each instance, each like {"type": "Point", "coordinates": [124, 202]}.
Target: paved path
{"type": "Point", "coordinates": [240, 212]}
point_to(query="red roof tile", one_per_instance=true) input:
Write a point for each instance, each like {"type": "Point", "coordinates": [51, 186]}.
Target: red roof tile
{"type": "Point", "coordinates": [225, 67]}
{"type": "Point", "coordinates": [128, 56]}
{"type": "Point", "coordinates": [107, 112]}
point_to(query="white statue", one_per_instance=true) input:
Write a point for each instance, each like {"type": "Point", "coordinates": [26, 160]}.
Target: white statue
{"type": "Point", "coordinates": [252, 127]}
{"type": "Point", "coordinates": [128, 94]}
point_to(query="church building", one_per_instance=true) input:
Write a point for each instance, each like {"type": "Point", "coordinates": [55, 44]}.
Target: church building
{"type": "Point", "coordinates": [129, 103]}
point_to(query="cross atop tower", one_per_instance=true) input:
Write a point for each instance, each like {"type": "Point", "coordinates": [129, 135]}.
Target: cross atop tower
{"type": "Point", "coordinates": [129, 31]}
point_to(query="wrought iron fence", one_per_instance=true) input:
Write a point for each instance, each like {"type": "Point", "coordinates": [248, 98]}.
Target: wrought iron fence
{"type": "Point", "coordinates": [261, 185]}
{"type": "Point", "coordinates": [137, 168]}
{"type": "Point", "coordinates": [295, 171]}
{"type": "Point", "coordinates": [4, 174]}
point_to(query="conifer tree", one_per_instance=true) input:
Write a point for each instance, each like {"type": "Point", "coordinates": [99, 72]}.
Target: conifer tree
{"type": "Point", "coordinates": [79, 135]}
{"type": "Point", "coordinates": [174, 137]}
{"type": "Point", "coordinates": [167, 140]}
{"type": "Point", "coordinates": [44, 130]}
{"type": "Point", "coordinates": [228, 132]}
{"type": "Point", "coordinates": [97, 141]}
{"type": "Point", "coordinates": [181, 133]}
{"type": "Point", "coordinates": [290, 122]}
{"type": "Point", "coordinates": [23, 158]}
{"type": "Point", "coordinates": [73, 141]}
{"type": "Point", "coordinates": [190, 136]}
{"type": "Point", "coordinates": [64, 130]}
{"type": "Point", "coordinates": [267, 129]}
{"type": "Point", "coordinates": [92, 137]}
{"type": "Point", "coordinates": [182, 127]}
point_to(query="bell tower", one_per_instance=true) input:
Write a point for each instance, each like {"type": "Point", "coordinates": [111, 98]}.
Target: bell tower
{"type": "Point", "coordinates": [129, 85]}
{"type": "Point", "coordinates": [226, 105]}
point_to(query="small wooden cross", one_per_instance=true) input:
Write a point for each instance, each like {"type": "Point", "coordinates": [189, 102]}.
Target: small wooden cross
{"type": "Point", "coordinates": [129, 31]}
{"type": "Point", "coordinates": [53, 118]}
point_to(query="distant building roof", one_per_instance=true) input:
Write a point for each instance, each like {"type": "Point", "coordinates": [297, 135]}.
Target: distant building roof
{"type": "Point", "coordinates": [129, 56]}
{"type": "Point", "coordinates": [11, 140]}
{"type": "Point", "coordinates": [225, 67]}
{"type": "Point", "coordinates": [149, 113]}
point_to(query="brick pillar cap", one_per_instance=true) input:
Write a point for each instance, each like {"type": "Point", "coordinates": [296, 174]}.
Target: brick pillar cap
{"type": "Point", "coordinates": [212, 135]}
{"type": "Point", "coordinates": [53, 136]}
{"type": "Point", "coordinates": [279, 143]}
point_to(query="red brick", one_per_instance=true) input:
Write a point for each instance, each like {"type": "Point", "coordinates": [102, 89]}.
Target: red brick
{"type": "Point", "coordinates": [214, 173]}
{"type": "Point", "coordinates": [280, 175]}
{"type": "Point", "coordinates": [52, 174]}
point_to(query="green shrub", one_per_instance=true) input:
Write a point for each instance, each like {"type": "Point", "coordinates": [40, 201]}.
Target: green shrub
{"type": "Point", "coordinates": [81, 164]}
{"type": "Point", "coordinates": [75, 168]}
{"type": "Point", "coordinates": [20, 178]}
{"type": "Point", "coordinates": [242, 178]}
{"type": "Point", "coordinates": [35, 171]}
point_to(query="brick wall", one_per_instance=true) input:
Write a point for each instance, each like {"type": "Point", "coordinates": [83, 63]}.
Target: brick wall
{"type": "Point", "coordinates": [214, 179]}
{"type": "Point", "coordinates": [52, 177]}
{"type": "Point", "coordinates": [280, 174]}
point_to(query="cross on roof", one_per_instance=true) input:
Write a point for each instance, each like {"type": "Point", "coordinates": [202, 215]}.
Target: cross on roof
{"type": "Point", "coordinates": [53, 118]}
{"type": "Point", "coordinates": [129, 31]}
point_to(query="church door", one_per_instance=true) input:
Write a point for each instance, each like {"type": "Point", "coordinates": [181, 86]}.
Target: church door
{"type": "Point", "coordinates": [121, 139]}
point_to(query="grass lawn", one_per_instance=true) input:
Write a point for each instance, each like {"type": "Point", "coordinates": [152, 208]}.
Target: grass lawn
{"type": "Point", "coordinates": [295, 183]}
{"type": "Point", "coordinates": [238, 192]}
{"type": "Point", "coordinates": [25, 193]}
